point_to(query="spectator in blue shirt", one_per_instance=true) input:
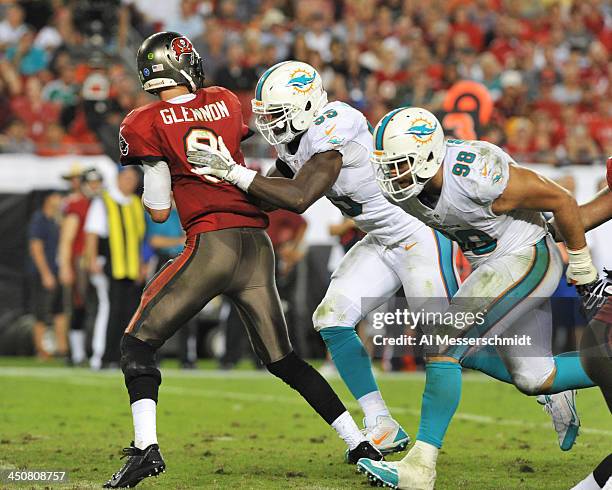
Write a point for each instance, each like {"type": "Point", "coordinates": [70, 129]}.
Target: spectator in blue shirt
{"type": "Point", "coordinates": [46, 292]}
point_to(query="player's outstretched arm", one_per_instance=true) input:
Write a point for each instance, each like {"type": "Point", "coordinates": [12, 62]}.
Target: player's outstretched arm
{"type": "Point", "coordinates": [527, 189]}
{"type": "Point", "coordinates": [315, 177]}
{"type": "Point", "coordinates": [594, 213]}
{"type": "Point", "coordinates": [310, 183]}
{"type": "Point", "coordinates": [598, 210]}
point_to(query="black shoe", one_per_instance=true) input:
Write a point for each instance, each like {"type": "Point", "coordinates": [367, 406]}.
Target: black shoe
{"type": "Point", "coordinates": [364, 450]}
{"type": "Point", "coordinates": [140, 464]}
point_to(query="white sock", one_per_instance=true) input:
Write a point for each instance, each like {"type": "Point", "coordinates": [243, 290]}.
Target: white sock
{"type": "Point", "coordinates": [429, 452]}
{"type": "Point", "coordinates": [77, 345]}
{"type": "Point", "coordinates": [373, 405]}
{"type": "Point", "coordinates": [143, 414]}
{"type": "Point", "coordinates": [347, 429]}
{"type": "Point", "coordinates": [588, 483]}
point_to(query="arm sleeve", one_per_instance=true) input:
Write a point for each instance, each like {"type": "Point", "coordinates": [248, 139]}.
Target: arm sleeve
{"type": "Point", "coordinates": [157, 185]}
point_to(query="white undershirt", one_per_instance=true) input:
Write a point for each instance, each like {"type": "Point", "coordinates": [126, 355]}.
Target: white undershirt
{"type": "Point", "coordinates": [96, 221]}
{"type": "Point", "coordinates": [157, 185]}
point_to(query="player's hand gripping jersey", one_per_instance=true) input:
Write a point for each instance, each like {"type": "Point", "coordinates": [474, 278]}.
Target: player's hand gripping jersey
{"type": "Point", "coordinates": [475, 174]}
{"type": "Point", "coordinates": [165, 130]}
{"type": "Point", "coordinates": [355, 193]}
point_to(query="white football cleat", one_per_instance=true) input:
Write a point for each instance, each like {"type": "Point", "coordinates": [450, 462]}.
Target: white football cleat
{"type": "Point", "coordinates": [387, 435]}
{"type": "Point", "coordinates": [562, 409]}
{"type": "Point", "coordinates": [414, 472]}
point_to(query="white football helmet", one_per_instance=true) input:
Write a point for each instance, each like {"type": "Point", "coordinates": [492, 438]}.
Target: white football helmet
{"type": "Point", "coordinates": [408, 151]}
{"type": "Point", "coordinates": [287, 100]}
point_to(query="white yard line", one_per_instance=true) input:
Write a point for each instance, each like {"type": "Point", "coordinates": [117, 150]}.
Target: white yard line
{"type": "Point", "coordinates": [88, 378]}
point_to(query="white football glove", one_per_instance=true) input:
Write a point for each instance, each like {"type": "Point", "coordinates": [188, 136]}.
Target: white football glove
{"type": "Point", "coordinates": [219, 163]}
{"type": "Point", "coordinates": [580, 269]}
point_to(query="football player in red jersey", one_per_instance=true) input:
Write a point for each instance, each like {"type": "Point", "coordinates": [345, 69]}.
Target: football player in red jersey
{"type": "Point", "coordinates": [227, 250]}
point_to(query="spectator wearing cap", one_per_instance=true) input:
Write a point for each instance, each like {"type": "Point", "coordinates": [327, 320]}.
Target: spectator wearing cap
{"type": "Point", "coordinates": [274, 33]}
{"type": "Point", "coordinates": [114, 232]}
{"type": "Point", "coordinates": [72, 267]}
{"type": "Point", "coordinates": [46, 293]}
{"type": "Point", "coordinates": [513, 101]}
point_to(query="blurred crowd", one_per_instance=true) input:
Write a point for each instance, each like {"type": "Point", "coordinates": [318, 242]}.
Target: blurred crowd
{"type": "Point", "coordinates": [67, 73]}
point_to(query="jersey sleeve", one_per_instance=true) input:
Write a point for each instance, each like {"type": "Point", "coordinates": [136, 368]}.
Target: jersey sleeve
{"type": "Point", "coordinates": [138, 141]}
{"type": "Point", "coordinates": [335, 128]}
{"type": "Point", "coordinates": [489, 173]}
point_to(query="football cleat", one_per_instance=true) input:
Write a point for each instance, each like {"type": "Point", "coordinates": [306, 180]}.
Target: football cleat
{"type": "Point", "coordinates": [363, 450]}
{"type": "Point", "coordinates": [411, 473]}
{"type": "Point", "coordinates": [140, 464]}
{"type": "Point", "coordinates": [562, 409]}
{"type": "Point", "coordinates": [387, 435]}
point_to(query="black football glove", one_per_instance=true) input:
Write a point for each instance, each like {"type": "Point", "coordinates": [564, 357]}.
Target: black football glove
{"type": "Point", "coordinates": [594, 295]}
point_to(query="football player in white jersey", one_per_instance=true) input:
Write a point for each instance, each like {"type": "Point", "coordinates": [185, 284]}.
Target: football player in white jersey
{"type": "Point", "coordinates": [474, 193]}
{"type": "Point", "coordinates": [324, 150]}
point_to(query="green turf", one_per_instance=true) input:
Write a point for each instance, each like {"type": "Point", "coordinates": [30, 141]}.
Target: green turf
{"type": "Point", "coordinates": [247, 430]}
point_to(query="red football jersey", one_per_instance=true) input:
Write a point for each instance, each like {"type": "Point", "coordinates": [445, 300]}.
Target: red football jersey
{"type": "Point", "coordinates": [78, 205]}
{"type": "Point", "coordinates": [165, 131]}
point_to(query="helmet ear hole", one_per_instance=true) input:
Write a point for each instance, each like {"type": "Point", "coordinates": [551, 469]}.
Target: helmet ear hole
{"type": "Point", "coordinates": [308, 106]}
{"type": "Point", "coordinates": [430, 157]}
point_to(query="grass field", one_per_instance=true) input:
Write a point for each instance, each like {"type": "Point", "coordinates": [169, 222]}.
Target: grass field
{"type": "Point", "coordinates": [246, 430]}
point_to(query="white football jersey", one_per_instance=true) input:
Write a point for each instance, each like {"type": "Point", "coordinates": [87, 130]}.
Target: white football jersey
{"type": "Point", "coordinates": [475, 174]}
{"type": "Point", "coordinates": [341, 127]}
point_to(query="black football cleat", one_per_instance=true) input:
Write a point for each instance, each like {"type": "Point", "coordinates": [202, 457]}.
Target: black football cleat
{"type": "Point", "coordinates": [140, 464]}
{"type": "Point", "coordinates": [364, 450]}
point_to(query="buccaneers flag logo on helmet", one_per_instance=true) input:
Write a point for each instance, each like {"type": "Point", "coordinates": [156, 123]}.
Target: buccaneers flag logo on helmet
{"type": "Point", "coordinates": [181, 46]}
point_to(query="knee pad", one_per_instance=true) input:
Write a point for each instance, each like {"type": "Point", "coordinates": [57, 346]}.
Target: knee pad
{"type": "Point", "coordinates": [529, 383]}
{"type": "Point", "coordinates": [290, 368]}
{"type": "Point", "coordinates": [336, 311]}
{"type": "Point", "coordinates": [139, 369]}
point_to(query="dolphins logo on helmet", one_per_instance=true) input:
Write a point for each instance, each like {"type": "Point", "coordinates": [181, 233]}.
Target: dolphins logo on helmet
{"type": "Point", "coordinates": [301, 80]}
{"type": "Point", "coordinates": [422, 130]}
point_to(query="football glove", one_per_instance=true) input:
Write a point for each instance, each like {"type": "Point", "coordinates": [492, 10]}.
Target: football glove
{"type": "Point", "coordinates": [594, 295]}
{"type": "Point", "coordinates": [219, 163]}
{"type": "Point", "coordinates": [580, 269]}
